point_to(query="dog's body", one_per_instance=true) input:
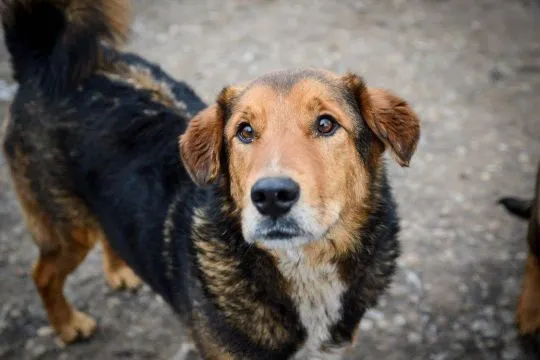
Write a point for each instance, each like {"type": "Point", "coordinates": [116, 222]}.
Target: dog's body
{"type": "Point", "coordinates": [286, 241]}
{"type": "Point", "coordinates": [528, 310]}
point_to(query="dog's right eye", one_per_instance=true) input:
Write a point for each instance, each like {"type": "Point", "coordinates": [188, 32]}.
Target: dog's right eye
{"type": "Point", "coordinates": [245, 133]}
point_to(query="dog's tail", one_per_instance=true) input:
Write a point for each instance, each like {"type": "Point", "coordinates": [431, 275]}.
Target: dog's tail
{"type": "Point", "coordinates": [58, 43]}
{"type": "Point", "coordinates": [520, 207]}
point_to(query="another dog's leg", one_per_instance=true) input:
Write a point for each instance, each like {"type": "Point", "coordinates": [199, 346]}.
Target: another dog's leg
{"type": "Point", "coordinates": [50, 273]}
{"type": "Point", "coordinates": [528, 311]}
{"type": "Point", "coordinates": [117, 273]}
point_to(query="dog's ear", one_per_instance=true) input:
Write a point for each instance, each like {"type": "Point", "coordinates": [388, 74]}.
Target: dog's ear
{"type": "Point", "coordinates": [201, 144]}
{"type": "Point", "coordinates": [390, 118]}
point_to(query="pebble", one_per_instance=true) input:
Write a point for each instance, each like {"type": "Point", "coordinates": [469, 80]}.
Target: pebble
{"type": "Point", "coordinates": [45, 331]}
{"type": "Point", "coordinates": [366, 324]}
{"type": "Point", "coordinates": [414, 338]}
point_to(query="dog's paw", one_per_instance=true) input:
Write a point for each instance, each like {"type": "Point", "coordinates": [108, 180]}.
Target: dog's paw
{"type": "Point", "coordinates": [122, 278]}
{"type": "Point", "coordinates": [80, 326]}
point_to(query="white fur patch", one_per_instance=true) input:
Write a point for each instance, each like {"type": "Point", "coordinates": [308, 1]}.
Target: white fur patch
{"type": "Point", "coordinates": [316, 292]}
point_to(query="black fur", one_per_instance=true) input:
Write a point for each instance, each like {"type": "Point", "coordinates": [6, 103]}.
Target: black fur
{"type": "Point", "coordinates": [63, 51]}
{"type": "Point", "coordinates": [519, 207]}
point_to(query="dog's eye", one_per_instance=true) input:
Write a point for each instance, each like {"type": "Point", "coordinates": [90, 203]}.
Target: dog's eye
{"type": "Point", "coordinates": [245, 133]}
{"type": "Point", "coordinates": [326, 125]}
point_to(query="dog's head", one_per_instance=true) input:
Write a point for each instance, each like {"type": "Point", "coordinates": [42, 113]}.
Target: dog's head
{"type": "Point", "coordinates": [297, 149]}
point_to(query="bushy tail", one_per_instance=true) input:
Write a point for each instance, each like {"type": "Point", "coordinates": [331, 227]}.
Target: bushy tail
{"type": "Point", "coordinates": [57, 43]}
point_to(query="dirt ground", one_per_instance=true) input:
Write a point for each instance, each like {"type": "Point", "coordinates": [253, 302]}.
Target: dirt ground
{"type": "Point", "coordinates": [472, 71]}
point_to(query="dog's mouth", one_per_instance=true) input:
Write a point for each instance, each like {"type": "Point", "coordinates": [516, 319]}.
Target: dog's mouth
{"type": "Point", "coordinates": [299, 227]}
{"type": "Point", "coordinates": [278, 229]}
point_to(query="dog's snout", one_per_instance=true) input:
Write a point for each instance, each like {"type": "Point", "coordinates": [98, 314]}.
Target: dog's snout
{"type": "Point", "coordinates": [275, 196]}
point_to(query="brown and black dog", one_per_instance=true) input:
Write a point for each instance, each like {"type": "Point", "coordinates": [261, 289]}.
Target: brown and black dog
{"type": "Point", "coordinates": [528, 311]}
{"type": "Point", "coordinates": [267, 221]}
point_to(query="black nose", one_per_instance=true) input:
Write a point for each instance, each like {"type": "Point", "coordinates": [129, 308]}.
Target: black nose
{"type": "Point", "coordinates": [275, 196]}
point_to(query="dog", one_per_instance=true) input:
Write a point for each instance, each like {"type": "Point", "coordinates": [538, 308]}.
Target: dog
{"type": "Point", "coordinates": [528, 310]}
{"type": "Point", "coordinates": [266, 221]}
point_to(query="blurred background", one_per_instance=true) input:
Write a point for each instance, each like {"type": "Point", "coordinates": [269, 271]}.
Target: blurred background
{"type": "Point", "coordinates": [471, 69]}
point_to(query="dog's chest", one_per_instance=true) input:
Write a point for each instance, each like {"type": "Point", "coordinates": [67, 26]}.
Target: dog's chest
{"type": "Point", "coordinates": [317, 293]}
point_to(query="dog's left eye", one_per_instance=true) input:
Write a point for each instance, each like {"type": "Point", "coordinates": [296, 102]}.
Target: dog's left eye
{"type": "Point", "coordinates": [326, 125]}
{"type": "Point", "coordinates": [245, 133]}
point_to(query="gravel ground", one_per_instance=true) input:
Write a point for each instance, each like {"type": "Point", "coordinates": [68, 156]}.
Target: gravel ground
{"type": "Point", "coordinates": [471, 70]}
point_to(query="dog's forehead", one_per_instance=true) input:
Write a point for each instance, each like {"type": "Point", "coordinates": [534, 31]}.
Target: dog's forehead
{"type": "Point", "coordinates": [304, 83]}
{"type": "Point", "coordinates": [285, 80]}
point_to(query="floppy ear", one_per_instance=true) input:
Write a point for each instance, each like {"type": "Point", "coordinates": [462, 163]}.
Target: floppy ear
{"type": "Point", "coordinates": [390, 118]}
{"type": "Point", "coordinates": [200, 145]}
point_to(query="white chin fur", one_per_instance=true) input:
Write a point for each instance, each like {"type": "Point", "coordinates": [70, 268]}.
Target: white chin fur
{"type": "Point", "coordinates": [304, 217]}
{"type": "Point", "coordinates": [284, 244]}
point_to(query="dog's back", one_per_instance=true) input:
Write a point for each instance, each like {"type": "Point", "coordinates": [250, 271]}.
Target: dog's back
{"type": "Point", "coordinates": [91, 140]}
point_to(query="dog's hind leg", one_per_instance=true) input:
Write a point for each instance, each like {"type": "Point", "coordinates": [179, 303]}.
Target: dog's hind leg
{"type": "Point", "coordinates": [117, 273]}
{"type": "Point", "coordinates": [50, 273]}
{"type": "Point", "coordinates": [62, 247]}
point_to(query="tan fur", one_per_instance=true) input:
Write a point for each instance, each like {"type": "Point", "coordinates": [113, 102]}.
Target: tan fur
{"type": "Point", "coordinates": [389, 117]}
{"type": "Point", "coordinates": [202, 336]}
{"type": "Point", "coordinates": [200, 146]}
{"type": "Point", "coordinates": [528, 312]}
{"type": "Point", "coordinates": [286, 123]}
{"type": "Point", "coordinates": [117, 273]}
{"type": "Point", "coordinates": [141, 78]}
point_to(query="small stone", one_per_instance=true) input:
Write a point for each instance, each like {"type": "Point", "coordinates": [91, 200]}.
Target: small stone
{"type": "Point", "coordinates": [162, 38]}
{"type": "Point", "coordinates": [248, 56]}
{"type": "Point", "coordinates": [112, 302]}
{"type": "Point", "coordinates": [45, 331]}
{"type": "Point", "coordinates": [496, 75]}
{"type": "Point", "coordinates": [508, 317]}
{"type": "Point", "coordinates": [461, 150]}
{"type": "Point", "coordinates": [366, 325]}
{"type": "Point", "coordinates": [399, 320]}
{"type": "Point", "coordinates": [375, 315]}
{"type": "Point", "coordinates": [489, 311]}
{"type": "Point", "coordinates": [441, 356]}
{"type": "Point", "coordinates": [502, 147]}
{"type": "Point", "coordinates": [414, 338]}
{"type": "Point", "coordinates": [523, 157]}
{"type": "Point", "coordinates": [60, 343]}
{"type": "Point", "coordinates": [39, 350]}
{"type": "Point", "coordinates": [510, 353]}
{"type": "Point", "coordinates": [413, 279]}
